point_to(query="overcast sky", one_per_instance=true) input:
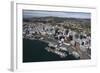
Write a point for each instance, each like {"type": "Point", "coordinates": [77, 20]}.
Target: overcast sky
{"type": "Point", "coordinates": [37, 13]}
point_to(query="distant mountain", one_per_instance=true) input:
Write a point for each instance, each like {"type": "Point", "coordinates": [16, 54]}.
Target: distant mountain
{"type": "Point", "coordinates": [54, 19]}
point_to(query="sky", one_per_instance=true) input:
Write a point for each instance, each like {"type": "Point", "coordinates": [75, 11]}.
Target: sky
{"type": "Point", "coordinates": [38, 13]}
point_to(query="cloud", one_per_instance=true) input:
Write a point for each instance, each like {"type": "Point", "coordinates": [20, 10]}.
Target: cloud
{"type": "Point", "coordinates": [37, 13]}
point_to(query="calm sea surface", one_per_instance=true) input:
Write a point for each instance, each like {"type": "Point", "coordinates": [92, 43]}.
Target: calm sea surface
{"type": "Point", "coordinates": [33, 51]}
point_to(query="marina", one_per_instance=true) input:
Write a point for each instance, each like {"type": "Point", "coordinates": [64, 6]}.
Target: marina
{"type": "Point", "coordinates": [35, 51]}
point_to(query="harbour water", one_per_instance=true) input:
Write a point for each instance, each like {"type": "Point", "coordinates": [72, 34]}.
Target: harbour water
{"type": "Point", "coordinates": [34, 51]}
